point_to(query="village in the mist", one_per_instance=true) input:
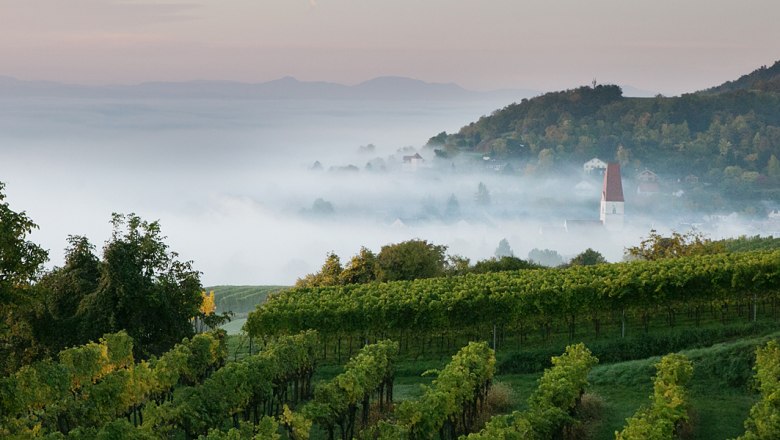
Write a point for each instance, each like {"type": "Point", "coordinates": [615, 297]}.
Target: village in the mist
{"type": "Point", "coordinates": [259, 191]}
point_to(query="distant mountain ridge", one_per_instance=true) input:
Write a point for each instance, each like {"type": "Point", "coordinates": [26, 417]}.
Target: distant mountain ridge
{"type": "Point", "coordinates": [380, 88]}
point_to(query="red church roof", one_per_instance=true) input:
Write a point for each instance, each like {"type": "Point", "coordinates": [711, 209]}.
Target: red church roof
{"type": "Point", "coordinates": [613, 187]}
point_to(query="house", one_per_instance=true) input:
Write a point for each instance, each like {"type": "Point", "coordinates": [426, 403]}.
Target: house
{"type": "Point", "coordinates": [612, 202]}
{"type": "Point", "coordinates": [647, 176]}
{"type": "Point", "coordinates": [411, 163]}
{"type": "Point", "coordinates": [648, 183]}
{"type": "Point", "coordinates": [594, 164]}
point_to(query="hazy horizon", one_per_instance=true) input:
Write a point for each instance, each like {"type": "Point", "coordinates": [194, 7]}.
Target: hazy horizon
{"type": "Point", "coordinates": [665, 47]}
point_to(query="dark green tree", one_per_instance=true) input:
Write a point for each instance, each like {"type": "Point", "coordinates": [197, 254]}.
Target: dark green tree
{"type": "Point", "coordinates": [62, 290]}
{"type": "Point", "coordinates": [20, 264]}
{"type": "Point", "coordinates": [144, 289]}
{"type": "Point", "coordinates": [411, 260]}
{"type": "Point", "coordinates": [502, 264]}
{"type": "Point", "coordinates": [588, 257]}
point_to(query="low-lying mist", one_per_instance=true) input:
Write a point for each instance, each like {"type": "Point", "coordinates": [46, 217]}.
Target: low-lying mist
{"type": "Point", "coordinates": [258, 192]}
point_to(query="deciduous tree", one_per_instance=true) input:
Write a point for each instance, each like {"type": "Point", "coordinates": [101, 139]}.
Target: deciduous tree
{"type": "Point", "coordinates": [144, 289]}
{"type": "Point", "coordinates": [20, 264]}
{"type": "Point", "coordinates": [411, 260]}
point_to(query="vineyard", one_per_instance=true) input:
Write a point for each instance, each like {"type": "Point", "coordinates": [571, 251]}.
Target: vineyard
{"type": "Point", "coordinates": [240, 299]}
{"type": "Point", "coordinates": [198, 390]}
{"type": "Point", "coordinates": [97, 391]}
{"type": "Point", "coordinates": [515, 310]}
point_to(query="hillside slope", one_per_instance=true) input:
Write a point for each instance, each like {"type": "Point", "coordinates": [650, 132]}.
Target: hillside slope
{"type": "Point", "coordinates": [733, 134]}
{"type": "Point", "coordinates": [766, 79]}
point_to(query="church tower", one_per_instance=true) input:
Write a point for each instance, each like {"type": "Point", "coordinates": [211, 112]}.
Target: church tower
{"type": "Point", "coordinates": [612, 198]}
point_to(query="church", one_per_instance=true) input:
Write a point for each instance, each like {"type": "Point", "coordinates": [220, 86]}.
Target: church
{"type": "Point", "coordinates": [612, 202]}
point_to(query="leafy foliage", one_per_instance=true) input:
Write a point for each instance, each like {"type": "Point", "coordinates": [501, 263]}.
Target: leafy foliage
{"type": "Point", "coordinates": [57, 323]}
{"type": "Point", "coordinates": [588, 257]}
{"type": "Point", "coordinates": [703, 134]}
{"type": "Point", "coordinates": [764, 420]}
{"type": "Point", "coordinates": [656, 246]}
{"type": "Point", "coordinates": [337, 401]}
{"type": "Point", "coordinates": [535, 296]}
{"type": "Point", "coordinates": [449, 406]}
{"type": "Point", "coordinates": [258, 385]}
{"type": "Point", "coordinates": [96, 383]}
{"type": "Point", "coordinates": [20, 263]}
{"type": "Point", "coordinates": [552, 405]}
{"type": "Point", "coordinates": [410, 260]}
{"type": "Point", "coordinates": [503, 264]}
{"type": "Point", "coordinates": [362, 268]}
{"type": "Point", "coordinates": [764, 78]}
{"type": "Point", "coordinates": [143, 289]}
{"type": "Point", "coordinates": [662, 419]}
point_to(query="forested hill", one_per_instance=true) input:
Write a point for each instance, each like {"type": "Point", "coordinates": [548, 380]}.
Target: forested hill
{"type": "Point", "coordinates": [765, 79]}
{"type": "Point", "coordinates": [714, 136]}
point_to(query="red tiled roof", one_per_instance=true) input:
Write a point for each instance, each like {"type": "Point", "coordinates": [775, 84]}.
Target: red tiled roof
{"type": "Point", "coordinates": [613, 187]}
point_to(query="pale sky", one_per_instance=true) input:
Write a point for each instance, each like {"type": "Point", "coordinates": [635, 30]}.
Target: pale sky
{"type": "Point", "coordinates": [669, 46]}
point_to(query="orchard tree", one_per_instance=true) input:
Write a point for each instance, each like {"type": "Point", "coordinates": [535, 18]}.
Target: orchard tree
{"type": "Point", "coordinates": [410, 260]}
{"type": "Point", "coordinates": [20, 264]}
{"type": "Point", "coordinates": [143, 289]}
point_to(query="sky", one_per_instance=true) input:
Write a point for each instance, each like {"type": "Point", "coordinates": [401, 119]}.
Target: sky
{"type": "Point", "coordinates": [665, 46]}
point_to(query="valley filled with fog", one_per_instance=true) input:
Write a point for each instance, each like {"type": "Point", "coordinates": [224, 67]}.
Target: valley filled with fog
{"type": "Point", "coordinates": [259, 191]}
